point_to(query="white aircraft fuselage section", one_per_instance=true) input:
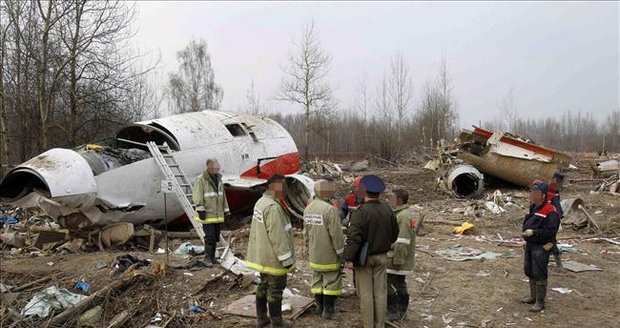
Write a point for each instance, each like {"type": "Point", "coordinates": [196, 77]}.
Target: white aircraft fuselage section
{"type": "Point", "coordinates": [123, 183]}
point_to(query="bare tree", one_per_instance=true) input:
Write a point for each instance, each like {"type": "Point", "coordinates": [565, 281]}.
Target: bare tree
{"type": "Point", "coordinates": [362, 99]}
{"type": "Point", "coordinates": [508, 111]}
{"type": "Point", "coordinates": [304, 80]}
{"type": "Point", "coordinates": [385, 135]}
{"type": "Point", "coordinates": [613, 130]}
{"type": "Point", "coordinates": [193, 87]}
{"type": "Point", "coordinates": [5, 155]}
{"type": "Point", "coordinates": [438, 114]}
{"type": "Point", "coordinates": [253, 105]}
{"type": "Point", "coordinates": [401, 92]}
{"type": "Point", "coordinates": [66, 69]}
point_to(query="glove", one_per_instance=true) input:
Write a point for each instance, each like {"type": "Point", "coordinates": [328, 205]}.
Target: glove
{"type": "Point", "coordinates": [527, 233]}
{"type": "Point", "coordinates": [202, 215]}
{"type": "Point", "coordinates": [548, 246]}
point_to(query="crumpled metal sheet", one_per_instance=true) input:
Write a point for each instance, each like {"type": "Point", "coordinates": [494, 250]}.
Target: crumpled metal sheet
{"type": "Point", "coordinates": [52, 298]}
{"type": "Point", "coordinates": [460, 254]}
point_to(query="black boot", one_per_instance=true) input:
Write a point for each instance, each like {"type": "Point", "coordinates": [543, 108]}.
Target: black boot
{"type": "Point", "coordinates": [329, 307]}
{"type": "Point", "coordinates": [541, 294]}
{"type": "Point", "coordinates": [532, 298]}
{"type": "Point", "coordinates": [212, 254]}
{"type": "Point", "coordinates": [275, 312]}
{"type": "Point", "coordinates": [262, 320]}
{"type": "Point", "coordinates": [318, 299]}
{"type": "Point", "coordinates": [392, 308]}
{"type": "Point", "coordinates": [208, 262]}
{"type": "Point", "coordinates": [403, 304]}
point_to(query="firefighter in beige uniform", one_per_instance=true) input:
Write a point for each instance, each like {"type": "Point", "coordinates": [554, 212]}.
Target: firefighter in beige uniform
{"type": "Point", "coordinates": [402, 255]}
{"type": "Point", "coordinates": [211, 207]}
{"type": "Point", "coordinates": [325, 240]}
{"type": "Point", "coordinates": [271, 252]}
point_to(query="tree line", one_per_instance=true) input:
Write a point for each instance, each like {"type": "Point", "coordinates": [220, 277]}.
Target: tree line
{"type": "Point", "coordinates": [69, 75]}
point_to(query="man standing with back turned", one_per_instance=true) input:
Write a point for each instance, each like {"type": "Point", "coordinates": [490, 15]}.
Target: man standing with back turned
{"type": "Point", "coordinates": [271, 252]}
{"type": "Point", "coordinates": [211, 207]}
{"type": "Point", "coordinates": [325, 240]}
{"type": "Point", "coordinates": [373, 223]}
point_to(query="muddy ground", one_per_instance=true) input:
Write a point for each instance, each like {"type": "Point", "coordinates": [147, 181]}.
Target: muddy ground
{"type": "Point", "coordinates": [444, 293]}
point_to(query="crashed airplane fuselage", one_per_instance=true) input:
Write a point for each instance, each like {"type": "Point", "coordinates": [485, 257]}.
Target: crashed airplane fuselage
{"type": "Point", "coordinates": [510, 158]}
{"type": "Point", "coordinates": [119, 181]}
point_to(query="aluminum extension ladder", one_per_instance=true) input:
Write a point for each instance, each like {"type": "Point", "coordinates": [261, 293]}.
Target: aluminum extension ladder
{"type": "Point", "coordinates": [181, 186]}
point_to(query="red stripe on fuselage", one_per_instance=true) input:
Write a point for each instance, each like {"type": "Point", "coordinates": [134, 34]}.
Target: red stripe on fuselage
{"type": "Point", "coordinates": [283, 164]}
{"type": "Point", "coordinates": [531, 147]}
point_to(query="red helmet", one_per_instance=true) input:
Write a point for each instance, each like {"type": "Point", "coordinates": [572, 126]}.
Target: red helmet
{"type": "Point", "coordinates": [356, 181]}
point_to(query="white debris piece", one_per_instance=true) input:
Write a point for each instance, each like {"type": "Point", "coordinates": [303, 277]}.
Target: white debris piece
{"type": "Point", "coordinates": [52, 297]}
{"type": "Point", "coordinates": [496, 209]}
{"type": "Point", "coordinates": [562, 290]}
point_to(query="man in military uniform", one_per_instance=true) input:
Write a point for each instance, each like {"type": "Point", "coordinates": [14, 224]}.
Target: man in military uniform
{"type": "Point", "coordinates": [539, 231]}
{"type": "Point", "coordinates": [211, 207]}
{"type": "Point", "coordinates": [271, 252]}
{"type": "Point", "coordinates": [401, 257]}
{"type": "Point", "coordinates": [373, 223]}
{"type": "Point", "coordinates": [325, 240]}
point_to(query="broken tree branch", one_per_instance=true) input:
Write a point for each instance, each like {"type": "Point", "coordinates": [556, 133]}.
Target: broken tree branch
{"type": "Point", "coordinates": [99, 296]}
{"type": "Point", "coordinates": [33, 283]}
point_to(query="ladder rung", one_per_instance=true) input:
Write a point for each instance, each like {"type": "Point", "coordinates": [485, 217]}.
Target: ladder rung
{"type": "Point", "coordinates": [173, 165]}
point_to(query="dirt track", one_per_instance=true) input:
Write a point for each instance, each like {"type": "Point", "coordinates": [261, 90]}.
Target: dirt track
{"type": "Point", "coordinates": [444, 293]}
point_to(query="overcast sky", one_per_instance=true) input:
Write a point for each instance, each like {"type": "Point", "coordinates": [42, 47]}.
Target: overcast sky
{"type": "Point", "coordinates": [557, 56]}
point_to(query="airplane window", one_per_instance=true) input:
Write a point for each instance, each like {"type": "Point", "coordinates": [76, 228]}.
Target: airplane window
{"type": "Point", "coordinates": [236, 130]}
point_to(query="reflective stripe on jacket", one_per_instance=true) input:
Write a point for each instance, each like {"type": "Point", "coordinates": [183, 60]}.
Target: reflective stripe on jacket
{"type": "Point", "coordinates": [403, 250]}
{"type": "Point", "coordinates": [209, 195]}
{"type": "Point", "coordinates": [270, 249]}
{"type": "Point", "coordinates": [323, 235]}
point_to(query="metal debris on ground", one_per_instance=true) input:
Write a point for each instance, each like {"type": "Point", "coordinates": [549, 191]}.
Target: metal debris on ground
{"type": "Point", "coordinates": [360, 166]}
{"type": "Point", "coordinates": [319, 167]}
{"type": "Point", "coordinates": [575, 266]}
{"type": "Point", "coordinates": [460, 254]}
{"type": "Point", "coordinates": [494, 208]}
{"type": "Point", "coordinates": [611, 185]}
{"type": "Point", "coordinates": [246, 306]}
{"type": "Point", "coordinates": [52, 298]}
{"type": "Point", "coordinates": [562, 290]}
{"type": "Point", "coordinates": [188, 248]}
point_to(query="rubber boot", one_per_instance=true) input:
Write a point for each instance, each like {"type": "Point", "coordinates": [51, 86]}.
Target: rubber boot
{"type": "Point", "coordinates": [532, 298]}
{"type": "Point", "coordinates": [208, 262]}
{"type": "Point", "coordinates": [275, 312]}
{"type": "Point", "coordinates": [212, 254]}
{"type": "Point", "coordinates": [318, 307]}
{"type": "Point", "coordinates": [403, 304]}
{"type": "Point", "coordinates": [392, 311]}
{"type": "Point", "coordinates": [329, 307]}
{"type": "Point", "coordinates": [262, 319]}
{"type": "Point", "coordinates": [541, 294]}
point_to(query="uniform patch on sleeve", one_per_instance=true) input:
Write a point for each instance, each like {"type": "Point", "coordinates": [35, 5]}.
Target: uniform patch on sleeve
{"type": "Point", "coordinates": [258, 215]}
{"type": "Point", "coordinates": [315, 219]}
